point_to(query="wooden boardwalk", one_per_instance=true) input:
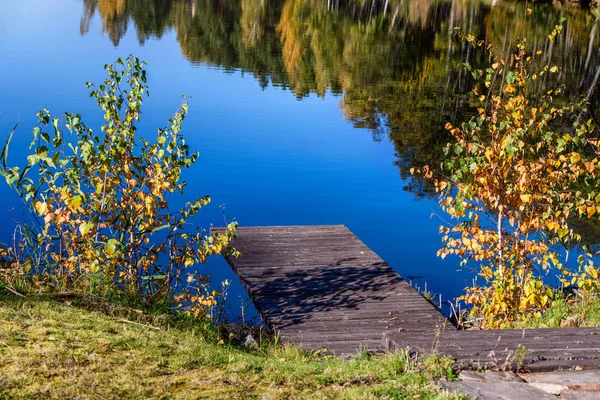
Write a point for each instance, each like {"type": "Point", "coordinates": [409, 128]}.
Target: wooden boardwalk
{"type": "Point", "coordinates": [322, 288]}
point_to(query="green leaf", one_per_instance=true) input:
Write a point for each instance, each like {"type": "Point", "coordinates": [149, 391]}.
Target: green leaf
{"type": "Point", "coordinates": [23, 173]}
{"type": "Point", "coordinates": [160, 228]}
{"type": "Point", "coordinates": [84, 228]}
{"type": "Point", "coordinates": [4, 155]}
{"type": "Point", "coordinates": [33, 159]}
{"type": "Point", "coordinates": [111, 247]}
{"type": "Point", "coordinates": [42, 152]}
{"type": "Point", "coordinates": [154, 277]}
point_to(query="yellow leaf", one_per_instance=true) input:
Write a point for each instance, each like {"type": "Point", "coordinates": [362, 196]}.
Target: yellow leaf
{"type": "Point", "coordinates": [41, 207]}
{"type": "Point", "coordinates": [591, 211]}
{"type": "Point", "coordinates": [590, 166]}
{"type": "Point", "coordinates": [554, 69]}
{"type": "Point", "coordinates": [74, 202]}
{"type": "Point", "coordinates": [525, 198]}
{"type": "Point", "coordinates": [84, 227]}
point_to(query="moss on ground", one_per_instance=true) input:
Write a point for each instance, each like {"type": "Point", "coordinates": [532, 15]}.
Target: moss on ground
{"type": "Point", "coordinates": [52, 348]}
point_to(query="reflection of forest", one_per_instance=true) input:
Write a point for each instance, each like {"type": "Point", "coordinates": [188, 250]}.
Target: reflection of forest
{"type": "Point", "coordinates": [395, 63]}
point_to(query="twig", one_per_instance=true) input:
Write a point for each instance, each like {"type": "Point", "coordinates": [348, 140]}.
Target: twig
{"type": "Point", "coordinates": [13, 291]}
{"type": "Point", "coordinates": [138, 324]}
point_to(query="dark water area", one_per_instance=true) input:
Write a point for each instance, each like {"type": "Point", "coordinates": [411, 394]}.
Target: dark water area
{"type": "Point", "coordinates": [304, 112]}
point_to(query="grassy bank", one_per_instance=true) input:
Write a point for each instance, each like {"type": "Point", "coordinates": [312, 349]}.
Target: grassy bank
{"type": "Point", "coordinates": [577, 311]}
{"type": "Point", "coordinates": [53, 348]}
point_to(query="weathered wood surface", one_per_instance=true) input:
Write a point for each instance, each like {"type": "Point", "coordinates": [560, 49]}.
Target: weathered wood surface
{"type": "Point", "coordinates": [527, 349]}
{"type": "Point", "coordinates": [322, 288]}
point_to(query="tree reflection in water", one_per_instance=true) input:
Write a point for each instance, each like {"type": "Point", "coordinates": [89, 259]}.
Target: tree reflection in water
{"type": "Point", "coordinates": [395, 64]}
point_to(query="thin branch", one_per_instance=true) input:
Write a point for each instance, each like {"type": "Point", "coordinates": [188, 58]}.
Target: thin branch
{"type": "Point", "coordinates": [13, 291]}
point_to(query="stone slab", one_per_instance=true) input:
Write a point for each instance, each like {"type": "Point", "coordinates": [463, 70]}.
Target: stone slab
{"type": "Point", "coordinates": [489, 376]}
{"type": "Point", "coordinates": [497, 390]}
{"type": "Point", "coordinates": [560, 381]}
{"type": "Point", "coordinates": [580, 395]}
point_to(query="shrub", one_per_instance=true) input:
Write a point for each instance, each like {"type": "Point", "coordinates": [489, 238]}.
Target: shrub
{"type": "Point", "coordinates": [100, 201]}
{"type": "Point", "coordinates": [515, 175]}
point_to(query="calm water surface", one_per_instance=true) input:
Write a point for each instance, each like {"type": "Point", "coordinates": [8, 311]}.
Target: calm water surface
{"type": "Point", "coordinates": [305, 112]}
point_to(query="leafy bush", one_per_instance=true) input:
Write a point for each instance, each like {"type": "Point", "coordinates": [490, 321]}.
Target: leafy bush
{"type": "Point", "coordinates": [515, 176]}
{"type": "Point", "coordinates": [101, 200]}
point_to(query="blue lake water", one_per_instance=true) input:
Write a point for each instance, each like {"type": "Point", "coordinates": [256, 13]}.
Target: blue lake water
{"type": "Point", "coordinates": [324, 140]}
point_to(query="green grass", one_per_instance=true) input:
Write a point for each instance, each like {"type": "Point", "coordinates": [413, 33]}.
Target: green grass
{"type": "Point", "coordinates": [578, 311]}
{"type": "Point", "coordinates": [52, 348]}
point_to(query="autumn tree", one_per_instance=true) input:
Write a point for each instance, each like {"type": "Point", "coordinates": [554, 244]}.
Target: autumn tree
{"type": "Point", "coordinates": [514, 178]}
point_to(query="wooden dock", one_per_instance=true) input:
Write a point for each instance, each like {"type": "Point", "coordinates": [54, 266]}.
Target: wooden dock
{"type": "Point", "coordinates": [320, 287]}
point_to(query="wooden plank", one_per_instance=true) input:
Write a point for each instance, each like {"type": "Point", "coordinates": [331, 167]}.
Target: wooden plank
{"type": "Point", "coordinates": [330, 313]}
{"type": "Point", "coordinates": [284, 294]}
{"type": "Point", "coordinates": [549, 348]}
{"type": "Point", "coordinates": [287, 231]}
{"type": "Point", "coordinates": [323, 287]}
{"type": "Point", "coordinates": [554, 365]}
{"type": "Point", "coordinates": [281, 270]}
{"type": "Point", "coordinates": [326, 259]}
